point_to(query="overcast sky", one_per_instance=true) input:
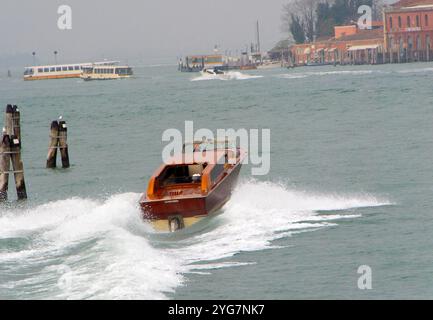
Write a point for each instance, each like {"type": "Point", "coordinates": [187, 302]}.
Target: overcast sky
{"type": "Point", "coordinates": [149, 30]}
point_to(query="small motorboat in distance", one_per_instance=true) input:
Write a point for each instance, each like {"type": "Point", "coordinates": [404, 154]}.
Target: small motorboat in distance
{"type": "Point", "coordinates": [192, 186]}
{"type": "Point", "coordinates": [212, 71]}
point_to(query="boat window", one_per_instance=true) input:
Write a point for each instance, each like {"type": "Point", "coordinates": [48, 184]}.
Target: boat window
{"type": "Point", "coordinates": [175, 175]}
{"type": "Point", "coordinates": [28, 71]}
{"type": "Point", "coordinates": [64, 68]}
{"type": "Point", "coordinates": [216, 172]}
{"type": "Point", "coordinates": [40, 70]}
{"type": "Point", "coordinates": [46, 69]}
{"type": "Point", "coordinates": [77, 67]}
{"type": "Point", "coordinates": [71, 68]}
{"type": "Point", "coordinates": [52, 69]}
{"type": "Point", "coordinates": [124, 71]}
{"type": "Point", "coordinates": [58, 68]}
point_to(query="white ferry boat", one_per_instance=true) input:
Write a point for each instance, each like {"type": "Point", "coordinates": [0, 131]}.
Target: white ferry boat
{"type": "Point", "coordinates": [61, 71]}
{"type": "Point", "coordinates": [106, 72]}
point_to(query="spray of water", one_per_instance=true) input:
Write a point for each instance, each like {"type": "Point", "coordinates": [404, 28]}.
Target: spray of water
{"type": "Point", "coordinates": [231, 75]}
{"type": "Point", "coordinates": [88, 249]}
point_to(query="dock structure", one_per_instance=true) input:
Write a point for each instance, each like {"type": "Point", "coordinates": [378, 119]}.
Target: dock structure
{"type": "Point", "coordinates": [10, 151]}
{"type": "Point", "coordinates": [58, 141]}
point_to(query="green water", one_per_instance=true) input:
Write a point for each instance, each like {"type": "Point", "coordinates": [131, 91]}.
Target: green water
{"type": "Point", "coordinates": [350, 184]}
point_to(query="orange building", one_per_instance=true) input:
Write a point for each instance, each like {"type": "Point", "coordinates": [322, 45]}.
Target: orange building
{"type": "Point", "coordinates": [408, 31]}
{"type": "Point", "coordinates": [350, 45]}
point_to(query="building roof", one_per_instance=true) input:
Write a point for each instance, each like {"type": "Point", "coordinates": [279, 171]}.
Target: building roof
{"type": "Point", "coordinates": [363, 35]}
{"type": "Point", "coordinates": [411, 3]}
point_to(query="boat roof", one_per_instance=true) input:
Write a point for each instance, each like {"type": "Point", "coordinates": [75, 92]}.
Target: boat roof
{"type": "Point", "coordinates": [108, 66]}
{"type": "Point", "coordinates": [98, 63]}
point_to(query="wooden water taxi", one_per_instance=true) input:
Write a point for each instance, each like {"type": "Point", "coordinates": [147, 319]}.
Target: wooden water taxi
{"type": "Point", "coordinates": [190, 188]}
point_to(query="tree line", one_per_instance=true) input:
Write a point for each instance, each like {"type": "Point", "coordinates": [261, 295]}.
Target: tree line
{"type": "Point", "coordinates": [307, 20]}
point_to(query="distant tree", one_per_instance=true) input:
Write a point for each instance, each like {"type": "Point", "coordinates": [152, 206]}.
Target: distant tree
{"type": "Point", "coordinates": [305, 11]}
{"type": "Point", "coordinates": [319, 17]}
{"type": "Point", "coordinates": [297, 30]}
{"type": "Point", "coordinates": [325, 21]}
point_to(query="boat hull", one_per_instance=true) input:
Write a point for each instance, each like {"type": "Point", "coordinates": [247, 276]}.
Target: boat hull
{"type": "Point", "coordinates": [189, 211]}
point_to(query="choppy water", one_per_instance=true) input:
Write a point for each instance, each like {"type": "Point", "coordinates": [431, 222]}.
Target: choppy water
{"type": "Point", "coordinates": [350, 185]}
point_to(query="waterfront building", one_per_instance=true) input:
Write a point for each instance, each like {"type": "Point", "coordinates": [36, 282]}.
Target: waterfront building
{"type": "Point", "coordinates": [349, 45]}
{"type": "Point", "coordinates": [408, 31]}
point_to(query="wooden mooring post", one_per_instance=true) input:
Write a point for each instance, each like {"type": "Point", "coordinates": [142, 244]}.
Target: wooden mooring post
{"type": "Point", "coordinates": [58, 140]}
{"type": "Point", "coordinates": [10, 151]}
{"type": "Point", "coordinates": [52, 148]}
{"type": "Point", "coordinates": [5, 161]}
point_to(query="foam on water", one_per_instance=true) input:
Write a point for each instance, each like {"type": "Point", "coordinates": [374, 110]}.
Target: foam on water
{"type": "Point", "coordinates": [82, 248]}
{"type": "Point", "coordinates": [300, 75]}
{"type": "Point", "coordinates": [230, 75]}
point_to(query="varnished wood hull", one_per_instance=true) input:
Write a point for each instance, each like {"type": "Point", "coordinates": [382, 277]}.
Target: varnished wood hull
{"type": "Point", "coordinates": [189, 210]}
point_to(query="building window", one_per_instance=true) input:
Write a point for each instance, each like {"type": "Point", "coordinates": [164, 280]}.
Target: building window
{"type": "Point", "coordinates": [399, 22]}
{"type": "Point", "coordinates": [408, 21]}
{"type": "Point", "coordinates": [418, 42]}
{"type": "Point", "coordinates": [390, 22]}
{"type": "Point", "coordinates": [417, 21]}
{"type": "Point", "coordinates": [426, 20]}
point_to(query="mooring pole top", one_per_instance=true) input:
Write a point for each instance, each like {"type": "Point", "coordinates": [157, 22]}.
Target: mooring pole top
{"type": "Point", "coordinates": [60, 117]}
{"type": "Point", "coordinates": [54, 124]}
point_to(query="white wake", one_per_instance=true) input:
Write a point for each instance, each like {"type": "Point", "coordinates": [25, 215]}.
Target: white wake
{"type": "Point", "coordinates": [88, 249]}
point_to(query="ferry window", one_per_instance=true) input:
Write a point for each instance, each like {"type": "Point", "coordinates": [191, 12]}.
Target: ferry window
{"type": "Point", "coordinates": [46, 69]}
{"type": "Point", "coordinates": [59, 69]}
{"type": "Point", "coordinates": [65, 68]}
{"type": "Point", "coordinates": [70, 68]}
{"type": "Point", "coordinates": [408, 21]}
{"type": "Point", "coordinates": [399, 22]}
{"type": "Point", "coordinates": [52, 69]}
{"type": "Point", "coordinates": [40, 70]}
{"type": "Point", "coordinates": [417, 21]}
{"type": "Point", "coordinates": [77, 67]}
{"type": "Point", "coordinates": [426, 20]}
{"type": "Point", "coordinates": [390, 22]}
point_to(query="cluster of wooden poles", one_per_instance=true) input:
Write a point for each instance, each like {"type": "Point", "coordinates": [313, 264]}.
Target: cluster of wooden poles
{"type": "Point", "coordinates": [10, 151]}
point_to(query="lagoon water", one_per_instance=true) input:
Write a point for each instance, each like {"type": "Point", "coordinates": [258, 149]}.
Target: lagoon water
{"type": "Point", "coordinates": [350, 185]}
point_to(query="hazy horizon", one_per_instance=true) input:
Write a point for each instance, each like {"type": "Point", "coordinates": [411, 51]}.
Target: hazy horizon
{"type": "Point", "coordinates": [148, 32]}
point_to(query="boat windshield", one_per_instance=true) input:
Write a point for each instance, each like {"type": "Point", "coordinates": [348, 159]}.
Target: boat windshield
{"type": "Point", "coordinates": [209, 145]}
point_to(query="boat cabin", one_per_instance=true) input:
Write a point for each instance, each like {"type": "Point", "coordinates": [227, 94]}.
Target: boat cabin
{"type": "Point", "coordinates": [194, 178]}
